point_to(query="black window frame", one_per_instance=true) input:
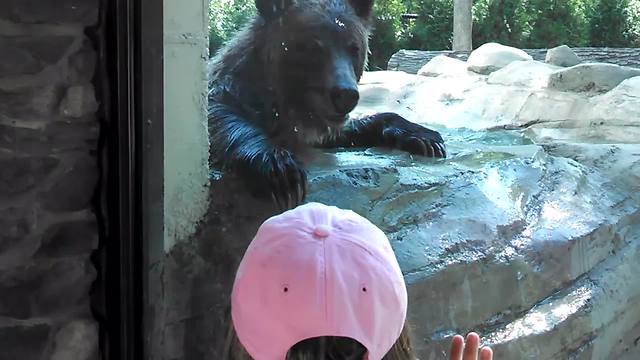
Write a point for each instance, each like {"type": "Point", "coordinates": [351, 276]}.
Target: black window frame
{"type": "Point", "coordinates": [133, 169]}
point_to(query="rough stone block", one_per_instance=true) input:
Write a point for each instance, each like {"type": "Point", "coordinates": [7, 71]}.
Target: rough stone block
{"type": "Point", "coordinates": [493, 56]}
{"type": "Point", "coordinates": [629, 88]}
{"type": "Point", "coordinates": [73, 188]}
{"type": "Point", "coordinates": [83, 12]}
{"type": "Point", "coordinates": [56, 137]}
{"type": "Point", "coordinates": [24, 342]}
{"type": "Point", "coordinates": [70, 238]}
{"type": "Point", "coordinates": [76, 340]}
{"type": "Point", "coordinates": [20, 174]}
{"type": "Point", "coordinates": [16, 60]}
{"type": "Point", "coordinates": [30, 103]}
{"type": "Point", "coordinates": [15, 225]}
{"type": "Point", "coordinates": [79, 101]}
{"type": "Point", "coordinates": [443, 65]}
{"type": "Point", "coordinates": [70, 136]}
{"type": "Point", "coordinates": [82, 64]}
{"type": "Point", "coordinates": [532, 74]}
{"type": "Point", "coordinates": [17, 295]}
{"type": "Point", "coordinates": [562, 56]}
{"type": "Point", "coordinates": [46, 288]}
{"type": "Point", "coordinates": [29, 55]}
{"type": "Point", "coordinates": [591, 77]}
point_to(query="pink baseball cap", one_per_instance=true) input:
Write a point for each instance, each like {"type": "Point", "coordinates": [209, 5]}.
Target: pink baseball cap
{"type": "Point", "coordinates": [314, 271]}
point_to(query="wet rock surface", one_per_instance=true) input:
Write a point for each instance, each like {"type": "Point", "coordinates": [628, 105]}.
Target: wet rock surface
{"type": "Point", "coordinates": [515, 241]}
{"type": "Point", "coordinates": [527, 233]}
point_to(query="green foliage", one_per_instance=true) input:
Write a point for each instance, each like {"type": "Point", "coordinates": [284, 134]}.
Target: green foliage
{"type": "Point", "coordinates": [609, 23]}
{"type": "Point", "coordinates": [502, 21]}
{"type": "Point", "coordinates": [556, 22]}
{"type": "Point", "coordinates": [634, 20]}
{"type": "Point", "coordinates": [226, 17]}
{"type": "Point", "coordinates": [548, 23]}
{"type": "Point", "coordinates": [388, 33]}
{"type": "Point", "coordinates": [433, 28]}
{"type": "Point", "coordinates": [382, 44]}
{"type": "Point", "coordinates": [519, 23]}
{"type": "Point", "coordinates": [634, 23]}
{"type": "Point", "coordinates": [530, 23]}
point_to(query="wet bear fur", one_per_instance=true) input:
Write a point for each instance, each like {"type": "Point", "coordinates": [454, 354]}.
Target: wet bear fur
{"type": "Point", "coordinates": [287, 82]}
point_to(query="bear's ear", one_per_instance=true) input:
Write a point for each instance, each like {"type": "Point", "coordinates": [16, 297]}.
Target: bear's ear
{"type": "Point", "coordinates": [362, 7]}
{"type": "Point", "coordinates": [270, 9]}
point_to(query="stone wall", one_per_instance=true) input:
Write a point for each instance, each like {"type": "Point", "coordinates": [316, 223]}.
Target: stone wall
{"type": "Point", "coordinates": [411, 61]}
{"type": "Point", "coordinates": [48, 175]}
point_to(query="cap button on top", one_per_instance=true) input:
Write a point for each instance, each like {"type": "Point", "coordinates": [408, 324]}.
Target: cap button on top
{"type": "Point", "coordinates": [321, 231]}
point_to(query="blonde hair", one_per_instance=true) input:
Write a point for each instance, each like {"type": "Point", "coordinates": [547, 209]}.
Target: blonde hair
{"type": "Point", "coordinates": [324, 348]}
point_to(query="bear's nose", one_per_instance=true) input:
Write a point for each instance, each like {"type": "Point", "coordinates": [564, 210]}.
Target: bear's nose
{"type": "Point", "coordinates": [344, 99]}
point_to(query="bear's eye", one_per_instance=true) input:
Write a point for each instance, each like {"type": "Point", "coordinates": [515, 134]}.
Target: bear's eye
{"type": "Point", "coordinates": [306, 47]}
{"type": "Point", "coordinates": [354, 50]}
{"type": "Point", "coordinates": [301, 47]}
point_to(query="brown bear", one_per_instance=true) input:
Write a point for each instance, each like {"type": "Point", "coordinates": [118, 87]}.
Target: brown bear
{"type": "Point", "coordinates": [288, 81]}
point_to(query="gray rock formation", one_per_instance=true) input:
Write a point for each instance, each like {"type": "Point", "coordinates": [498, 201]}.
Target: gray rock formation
{"type": "Point", "coordinates": [591, 77]}
{"type": "Point", "coordinates": [493, 56]}
{"type": "Point", "coordinates": [562, 56]}
{"type": "Point", "coordinates": [443, 65]}
{"type": "Point", "coordinates": [531, 73]}
{"type": "Point", "coordinates": [529, 232]}
{"type": "Point", "coordinates": [412, 60]}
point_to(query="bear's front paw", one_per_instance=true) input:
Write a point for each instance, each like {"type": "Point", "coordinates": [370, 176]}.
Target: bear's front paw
{"type": "Point", "coordinates": [402, 134]}
{"type": "Point", "coordinates": [278, 176]}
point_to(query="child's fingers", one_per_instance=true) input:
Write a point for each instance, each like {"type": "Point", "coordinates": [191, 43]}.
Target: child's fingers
{"type": "Point", "coordinates": [471, 346]}
{"type": "Point", "coordinates": [457, 345]}
{"type": "Point", "coordinates": [486, 353]}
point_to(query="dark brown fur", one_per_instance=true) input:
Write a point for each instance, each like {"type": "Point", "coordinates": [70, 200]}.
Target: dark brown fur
{"type": "Point", "coordinates": [287, 82]}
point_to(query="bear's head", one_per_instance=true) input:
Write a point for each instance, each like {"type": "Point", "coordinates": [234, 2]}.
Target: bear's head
{"type": "Point", "coordinates": [315, 54]}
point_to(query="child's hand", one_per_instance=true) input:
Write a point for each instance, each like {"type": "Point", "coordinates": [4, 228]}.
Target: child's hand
{"type": "Point", "coordinates": [469, 351]}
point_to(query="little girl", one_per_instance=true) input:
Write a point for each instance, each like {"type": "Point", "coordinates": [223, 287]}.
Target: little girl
{"type": "Point", "coordinates": [321, 283]}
